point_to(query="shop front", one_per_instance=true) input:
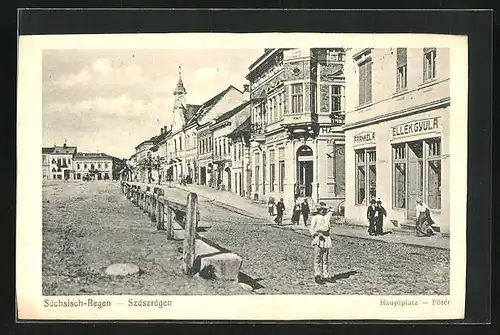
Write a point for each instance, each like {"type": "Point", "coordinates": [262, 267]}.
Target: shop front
{"type": "Point", "coordinates": [400, 161]}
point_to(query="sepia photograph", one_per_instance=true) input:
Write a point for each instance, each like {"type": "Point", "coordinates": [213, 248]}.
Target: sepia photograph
{"type": "Point", "coordinates": [250, 170]}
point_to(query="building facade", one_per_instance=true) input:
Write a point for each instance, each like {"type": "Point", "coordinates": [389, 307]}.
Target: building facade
{"type": "Point", "coordinates": [97, 166]}
{"type": "Point", "coordinates": [240, 139]}
{"type": "Point", "coordinates": [57, 162]}
{"type": "Point", "coordinates": [224, 150]}
{"type": "Point", "coordinates": [397, 132]}
{"type": "Point", "coordinates": [297, 140]}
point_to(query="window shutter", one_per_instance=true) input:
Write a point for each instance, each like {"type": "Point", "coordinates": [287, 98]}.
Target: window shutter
{"type": "Point", "coordinates": [362, 84]}
{"type": "Point", "coordinates": [368, 93]}
{"type": "Point", "coordinates": [401, 57]}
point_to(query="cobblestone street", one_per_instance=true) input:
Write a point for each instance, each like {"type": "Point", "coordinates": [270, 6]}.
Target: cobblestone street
{"type": "Point", "coordinates": [89, 226]}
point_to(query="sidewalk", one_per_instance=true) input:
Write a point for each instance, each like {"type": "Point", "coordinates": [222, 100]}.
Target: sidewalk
{"type": "Point", "coordinates": [257, 209]}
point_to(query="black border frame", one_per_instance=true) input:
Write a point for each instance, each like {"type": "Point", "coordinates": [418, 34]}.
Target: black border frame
{"type": "Point", "coordinates": [476, 24]}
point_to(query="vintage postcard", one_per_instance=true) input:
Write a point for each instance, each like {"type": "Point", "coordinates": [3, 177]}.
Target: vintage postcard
{"type": "Point", "coordinates": [242, 177]}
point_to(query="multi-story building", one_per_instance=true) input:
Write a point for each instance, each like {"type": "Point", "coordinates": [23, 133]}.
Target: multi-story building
{"type": "Point", "coordinates": [97, 166]}
{"type": "Point", "coordinates": [397, 132]}
{"type": "Point", "coordinates": [240, 139]}
{"type": "Point", "coordinates": [224, 149]}
{"type": "Point", "coordinates": [297, 141]}
{"type": "Point", "coordinates": [58, 162]}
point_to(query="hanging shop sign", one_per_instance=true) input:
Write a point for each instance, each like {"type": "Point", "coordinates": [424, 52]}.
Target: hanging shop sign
{"type": "Point", "coordinates": [364, 138]}
{"type": "Point", "coordinates": [417, 127]}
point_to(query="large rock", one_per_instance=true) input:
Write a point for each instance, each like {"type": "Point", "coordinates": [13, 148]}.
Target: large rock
{"type": "Point", "coordinates": [226, 266]}
{"type": "Point", "coordinates": [122, 269]}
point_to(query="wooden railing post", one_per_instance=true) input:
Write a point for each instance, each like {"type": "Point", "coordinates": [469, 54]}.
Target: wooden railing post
{"type": "Point", "coordinates": [190, 233]}
{"type": "Point", "coordinates": [170, 221]}
{"type": "Point", "coordinates": [160, 214]}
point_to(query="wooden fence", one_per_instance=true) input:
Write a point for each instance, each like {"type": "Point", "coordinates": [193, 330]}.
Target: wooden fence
{"type": "Point", "coordinates": [156, 205]}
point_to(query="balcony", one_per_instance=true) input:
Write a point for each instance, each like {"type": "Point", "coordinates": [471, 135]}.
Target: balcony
{"type": "Point", "coordinates": [258, 133]}
{"type": "Point", "coordinates": [299, 119]}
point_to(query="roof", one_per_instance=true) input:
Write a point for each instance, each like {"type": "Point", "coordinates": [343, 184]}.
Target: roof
{"type": "Point", "coordinates": [47, 150]}
{"type": "Point", "coordinates": [261, 57]}
{"type": "Point", "coordinates": [65, 150]}
{"type": "Point", "coordinates": [180, 87]}
{"type": "Point", "coordinates": [190, 111]}
{"type": "Point", "coordinates": [244, 128]}
{"type": "Point", "coordinates": [86, 155]}
{"type": "Point", "coordinates": [232, 112]}
{"type": "Point", "coordinates": [210, 103]}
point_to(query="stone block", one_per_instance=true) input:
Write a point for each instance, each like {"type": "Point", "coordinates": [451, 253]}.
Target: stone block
{"type": "Point", "coordinates": [226, 266]}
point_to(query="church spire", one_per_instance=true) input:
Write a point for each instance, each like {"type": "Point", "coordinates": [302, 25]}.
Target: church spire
{"type": "Point", "coordinates": [180, 86]}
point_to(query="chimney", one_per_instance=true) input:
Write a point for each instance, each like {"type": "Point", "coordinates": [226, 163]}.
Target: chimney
{"type": "Point", "coordinates": [162, 130]}
{"type": "Point", "coordinates": [165, 128]}
{"type": "Point", "coordinates": [246, 92]}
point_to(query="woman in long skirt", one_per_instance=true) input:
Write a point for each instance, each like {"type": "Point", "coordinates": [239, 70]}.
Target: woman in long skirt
{"type": "Point", "coordinates": [424, 220]}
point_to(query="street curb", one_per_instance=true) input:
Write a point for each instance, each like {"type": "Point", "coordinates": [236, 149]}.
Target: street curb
{"type": "Point", "coordinates": [305, 233]}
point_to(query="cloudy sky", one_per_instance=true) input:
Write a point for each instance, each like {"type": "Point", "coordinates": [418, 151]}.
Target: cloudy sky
{"type": "Point", "coordinates": [110, 101]}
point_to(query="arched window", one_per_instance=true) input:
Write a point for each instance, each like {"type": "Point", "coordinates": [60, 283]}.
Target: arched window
{"type": "Point", "coordinates": [92, 166]}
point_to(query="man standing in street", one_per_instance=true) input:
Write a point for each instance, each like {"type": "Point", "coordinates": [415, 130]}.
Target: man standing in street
{"type": "Point", "coordinates": [320, 231]}
{"type": "Point", "coordinates": [379, 226]}
{"type": "Point", "coordinates": [280, 208]}
{"type": "Point", "coordinates": [305, 211]}
{"type": "Point", "coordinates": [371, 215]}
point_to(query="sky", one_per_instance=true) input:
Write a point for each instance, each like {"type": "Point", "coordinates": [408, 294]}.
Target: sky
{"type": "Point", "coordinates": [110, 101]}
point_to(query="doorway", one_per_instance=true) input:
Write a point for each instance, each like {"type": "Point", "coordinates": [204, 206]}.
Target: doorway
{"type": "Point", "coordinates": [228, 178]}
{"type": "Point", "coordinates": [203, 175]}
{"type": "Point", "coordinates": [415, 177]}
{"type": "Point", "coordinates": [305, 169]}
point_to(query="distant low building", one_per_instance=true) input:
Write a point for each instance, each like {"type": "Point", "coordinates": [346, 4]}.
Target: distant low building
{"type": "Point", "coordinates": [97, 166]}
{"type": "Point", "coordinates": [57, 162]}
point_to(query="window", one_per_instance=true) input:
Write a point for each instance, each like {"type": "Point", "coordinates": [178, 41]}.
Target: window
{"type": "Point", "coordinates": [313, 98]}
{"type": "Point", "coordinates": [228, 146]}
{"type": "Point", "coordinates": [69, 161]}
{"type": "Point", "coordinates": [297, 97]}
{"type": "Point", "coordinates": [417, 174]}
{"type": "Point", "coordinates": [59, 161]}
{"type": "Point", "coordinates": [429, 63]}
{"type": "Point", "coordinates": [399, 191]}
{"type": "Point", "coordinates": [272, 172]}
{"type": "Point", "coordinates": [180, 144]}
{"type": "Point", "coordinates": [53, 161]}
{"type": "Point", "coordinates": [84, 166]}
{"type": "Point", "coordinates": [365, 83]}
{"type": "Point", "coordinates": [78, 166]}
{"type": "Point", "coordinates": [281, 157]}
{"type": "Point", "coordinates": [106, 165]}
{"type": "Point", "coordinates": [366, 175]}
{"type": "Point", "coordinates": [92, 166]}
{"type": "Point", "coordinates": [78, 176]}
{"type": "Point", "coordinates": [224, 145]}
{"type": "Point", "coordinates": [99, 165]}
{"type": "Point", "coordinates": [401, 65]}
{"type": "Point", "coordinates": [271, 111]}
{"type": "Point", "coordinates": [175, 145]}
{"type": "Point", "coordinates": [335, 98]}
{"type": "Point", "coordinates": [235, 151]}
{"type": "Point", "coordinates": [434, 173]}
{"type": "Point", "coordinates": [257, 174]}
{"type": "Point", "coordinates": [334, 56]}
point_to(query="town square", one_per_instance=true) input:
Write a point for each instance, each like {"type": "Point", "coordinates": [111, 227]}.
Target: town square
{"type": "Point", "coordinates": [305, 171]}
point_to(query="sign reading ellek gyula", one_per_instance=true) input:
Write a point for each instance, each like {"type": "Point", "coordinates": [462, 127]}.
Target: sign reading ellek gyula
{"type": "Point", "coordinates": [417, 127]}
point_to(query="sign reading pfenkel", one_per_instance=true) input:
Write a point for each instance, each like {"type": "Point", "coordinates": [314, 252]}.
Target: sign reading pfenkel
{"type": "Point", "coordinates": [364, 138]}
{"type": "Point", "coordinates": [417, 127]}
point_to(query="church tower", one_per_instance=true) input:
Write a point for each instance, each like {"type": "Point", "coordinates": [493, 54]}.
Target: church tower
{"type": "Point", "coordinates": [179, 104]}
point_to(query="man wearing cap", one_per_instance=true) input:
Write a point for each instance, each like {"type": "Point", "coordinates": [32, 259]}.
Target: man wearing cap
{"type": "Point", "coordinates": [372, 216]}
{"type": "Point", "coordinates": [320, 231]}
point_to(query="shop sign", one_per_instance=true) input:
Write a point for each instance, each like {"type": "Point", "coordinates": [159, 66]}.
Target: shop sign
{"type": "Point", "coordinates": [415, 127]}
{"type": "Point", "coordinates": [364, 138]}
{"type": "Point", "coordinates": [279, 136]}
{"type": "Point", "coordinates": [328, 130]}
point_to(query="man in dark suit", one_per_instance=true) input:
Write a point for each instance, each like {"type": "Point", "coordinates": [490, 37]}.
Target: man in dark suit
{"type": "Point", "coordinates": [280, 208]}
{"type": "Point", "coordinates": [304, 208]}
{"type": "Point", "coordinates": [372, 216]}
{"type": "Point", "coordinates": [379, 226]}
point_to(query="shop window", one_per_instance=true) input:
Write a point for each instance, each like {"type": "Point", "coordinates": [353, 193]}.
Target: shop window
{"type": "Point", "coordinates": [365, 83]}
{"type": "Point", "coordinates": [399, 161]}
{"type": "Point", "coordinates": [417, 174]}
{"type": "Point", "coordinates": [297, 98]}
{"type": "Point", "coordinates": [366, 175]}
{"type": "Point", "coordinates": [434, 174]}
{"type": "Point", "coordinates": [429, 63]}
{"type": "Point", "coordinates": [401, 65]}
